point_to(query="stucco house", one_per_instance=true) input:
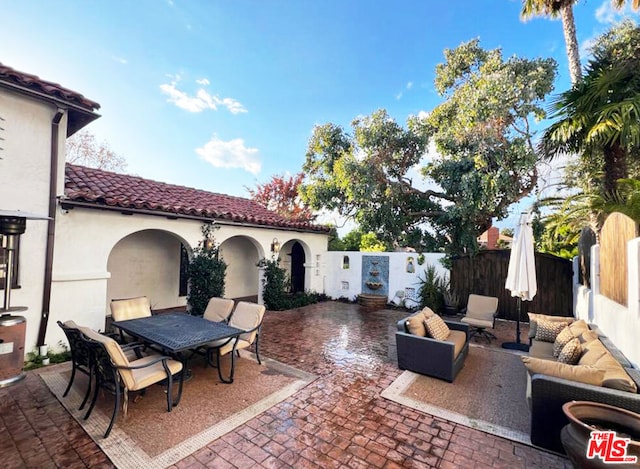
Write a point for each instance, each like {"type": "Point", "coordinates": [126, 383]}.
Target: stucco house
{"type": "Point", "coordinates": [115, 235]}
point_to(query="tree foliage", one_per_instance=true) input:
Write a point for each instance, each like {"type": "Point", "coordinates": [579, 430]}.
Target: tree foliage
{"type": "Point", "coordinates": [206, 272]}
{"type": "Point", "coordinates": [280, 194]}
{"type": "Point", "coordinates": [482, 134]}
{"type": "Point", "coordinates": [82, 148]}
{"type": "Point", "coordinates": [598, 117]}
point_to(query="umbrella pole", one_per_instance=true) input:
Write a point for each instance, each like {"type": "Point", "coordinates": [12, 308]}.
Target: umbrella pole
{"type": "Point", "coordinates": [517, 345]}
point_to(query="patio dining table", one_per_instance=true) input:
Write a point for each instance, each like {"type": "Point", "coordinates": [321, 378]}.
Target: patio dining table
{"type": "Point", "coordinates": [177, 334]}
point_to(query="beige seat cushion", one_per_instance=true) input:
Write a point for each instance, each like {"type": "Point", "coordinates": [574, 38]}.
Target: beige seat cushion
{"type": "Point", "coordinates": [588, 374]}
{"type": "Point", "coordinates": [218, 309]}
{"type": "Point", "coordinates": [541, 349]}
{"type": "Point", "coordinates": [481, 309]}
{"type": "Point", "coordinates": [130, 308]}
{"type": "Point", "coordinates": [436, 328]}
{"type": "Point", "coordinates": [145, 377]}
{"type": "Point", "coordinates": [592, 351]}
{"type": "Point", "coordinates": [459, 338]}
{"type": "Point", "coordinates": [588, 336]}
{"type": "Point", "coordinates": [477, 322]}
{"type": "Point", "coordinates": [615, 376]}
{"type": "Point", "coordinates": [578, 327]}
{"type": "Point", "coordinates": [247, 316]}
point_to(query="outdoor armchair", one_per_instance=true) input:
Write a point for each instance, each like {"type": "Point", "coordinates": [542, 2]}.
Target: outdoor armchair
{"type": "Point", "coordinates": [248, 317]}
{"type": "Point", "coordinates": [218, 309]}
{"type": "Point", "coordinates": [115, 373]}
{"type": "Point", "coordinates": [481, 315]}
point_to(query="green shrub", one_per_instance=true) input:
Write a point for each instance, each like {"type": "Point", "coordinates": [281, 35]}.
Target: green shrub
{"type": "Point", "coordinates": [430, 290]}
{"type": "Point", "coordinates": [206, 272]}
{"type": "Point", "coordinates": [276, 289]}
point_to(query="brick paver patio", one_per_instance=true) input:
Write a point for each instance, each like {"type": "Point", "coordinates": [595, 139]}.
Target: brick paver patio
{"type": "Point", "coordinates": [339, 420]}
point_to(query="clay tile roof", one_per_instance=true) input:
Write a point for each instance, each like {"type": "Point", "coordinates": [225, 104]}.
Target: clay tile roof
{"type": "Point", "coordinates": [104, 188]}
{"type": "Point", "coordinates": [34, 83]}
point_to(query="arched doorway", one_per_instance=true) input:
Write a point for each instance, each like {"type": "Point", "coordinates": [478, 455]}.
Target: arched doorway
{"type": "Point", "coordinates": [149, 263]}
{"type": "Point", "coordinates": [241, 254]}
{"type": "Point", "coordinates": [298, 260]}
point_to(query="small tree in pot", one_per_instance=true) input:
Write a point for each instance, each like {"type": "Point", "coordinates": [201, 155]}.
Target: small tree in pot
{"type": "Point", "coordinates": [206, 272]}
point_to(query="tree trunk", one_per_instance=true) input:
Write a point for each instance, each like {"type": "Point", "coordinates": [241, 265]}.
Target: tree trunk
{"type": "Point", "coordinates": [573, 52]}
{"type": "Point", "coordinates": [615, 166]}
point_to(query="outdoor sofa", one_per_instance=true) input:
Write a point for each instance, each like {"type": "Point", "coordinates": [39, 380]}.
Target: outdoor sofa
{"type": "Point", "coordinates": [428, 356]}
{"type": "Point", "coordinates": [602, 374]}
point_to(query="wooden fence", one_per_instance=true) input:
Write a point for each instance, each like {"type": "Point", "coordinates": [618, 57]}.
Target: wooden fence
{"type": "Point", "coordinates": [486, 273]}
{"type": "Point", "coordinates": [617, 230]}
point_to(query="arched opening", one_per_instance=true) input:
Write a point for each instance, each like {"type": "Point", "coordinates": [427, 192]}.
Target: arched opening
{"type": "Point", "coordinates": [148, 263]}
{"type": "Point", "coordinates": [242, 278]}
{"type": "Point", "coordinates": [298, 259]}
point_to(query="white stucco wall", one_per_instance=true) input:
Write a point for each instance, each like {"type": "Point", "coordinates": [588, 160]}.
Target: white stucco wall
{"type": "Point", "coordinates": [146, 263]}
{"type": "Point", "coordinates": [347, 283]}
{"type": "Point", "coordinates": [86, 238]}
{"type": "Point", "coordinates": [620, 323]}
{"type": "Point", "coordinates": [241, 256]}
{"type": "Point", "coordinates": [24, 185]}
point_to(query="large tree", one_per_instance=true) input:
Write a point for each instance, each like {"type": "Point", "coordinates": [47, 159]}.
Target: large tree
{"type": "Point", "coordinates": [280, 194]}
{"type": "Point", "coordinates": [483, 136]}
{"type": "Point", "coordinates": [82, 148]}
{"type": "Point", "coordinates": [564, 9]}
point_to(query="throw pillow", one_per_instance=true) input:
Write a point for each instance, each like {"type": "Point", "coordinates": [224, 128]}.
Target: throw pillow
{"type": "Point", "coordinates": [534, 318]}
{"type": "Point", "coordinates": [588, 336]}
{"type": "Point", "coordinates": [436, 328]}
{"type": "Point", "coordinates": [548, 330]}
{"type": "Point", "coordinates": [562, 339]}
{"type": "Point", "coordinates": [571, 352]}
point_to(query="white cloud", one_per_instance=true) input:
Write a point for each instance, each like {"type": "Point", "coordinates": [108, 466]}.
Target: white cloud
{"type": "Point", "coordinates": [231, 154]}
{"type": "Point", "coordinates": [120, 60]}
{"type": "Point", "coordinates": [607, 14]}
{"type": "Point", "coordinates": [409, 85]}
{"type": "Point", "coordinates": [202, 99]}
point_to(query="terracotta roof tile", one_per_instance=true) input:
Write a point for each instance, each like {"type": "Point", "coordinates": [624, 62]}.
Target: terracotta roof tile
{"type": "Point", "coordinates": [35, 83]}
{"type": "Point", "coordinates": [95, 186]}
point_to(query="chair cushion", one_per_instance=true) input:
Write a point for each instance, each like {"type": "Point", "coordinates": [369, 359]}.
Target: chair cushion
{"type": "Point", "coordinates": [130, 308]}
{"type": "Point", "coordinates": [145, 377]}
{"type": "Point", "coordinates": [415, 324]}
{"type": "Point", "coordinates": [477, 322]}
{"type": "Point", "coordinates": [591, 352]}
{"type": "Point", "coordinates": [540, 349]}
{"type": "Point", "coordinates": [436, 328]}
{"type": "Point", "coordinates": [588, 374]}
{"type": "Point", "coordinates": [571, 352]}
{"type": "Point", "coordinates": [588, 336]}
{"type": "Point", "coordinates": [615, 376]}
{"type": "Point", "coordinates": [218, 309]}
{"type": "Point", "coordinates": [547, 331]}
{"type": "Point", "coordinates": [459, 338]}
{"type": "Point", "coordinates": [247, 316]}
{"type": "Point", "coordinates": [482, 307]}
{"type": "Point", "coordinates": [578, 327]}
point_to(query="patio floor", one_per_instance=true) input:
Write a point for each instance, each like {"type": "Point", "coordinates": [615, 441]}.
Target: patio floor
{"type": "Point", "coordinates": [339, 420]}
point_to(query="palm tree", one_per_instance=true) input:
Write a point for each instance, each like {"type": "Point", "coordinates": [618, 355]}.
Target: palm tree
{"type": "Point", "coordinates": [564, 9]}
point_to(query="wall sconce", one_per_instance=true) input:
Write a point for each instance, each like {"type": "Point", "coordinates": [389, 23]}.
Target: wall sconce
{"type": "Point", "coordinates": [209, 244]}
{"type": "Point", "coordinates": [275, 247]}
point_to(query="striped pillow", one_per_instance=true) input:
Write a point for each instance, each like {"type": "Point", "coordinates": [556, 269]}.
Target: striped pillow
{"type": "Point", "coordinates": [436, 328]}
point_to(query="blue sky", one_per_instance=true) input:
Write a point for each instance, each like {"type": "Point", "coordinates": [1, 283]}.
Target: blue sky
{"type": "Point", "coordinates": [221, 95]}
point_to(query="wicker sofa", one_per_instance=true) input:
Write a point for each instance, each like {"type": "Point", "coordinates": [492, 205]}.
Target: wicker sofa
{"type": "Point", "coordinates": [421, 354]}
{"type": "Point", "coordinates": [548, 391]}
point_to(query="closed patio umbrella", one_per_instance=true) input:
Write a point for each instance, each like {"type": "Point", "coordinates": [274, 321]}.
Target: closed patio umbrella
{"type": "Point", "coordinates": [521, 276]}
